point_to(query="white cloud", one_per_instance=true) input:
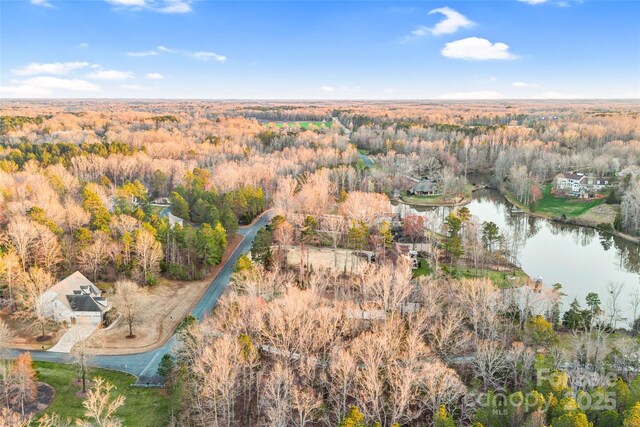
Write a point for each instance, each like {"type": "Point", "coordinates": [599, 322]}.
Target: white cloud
{"type": "Point", "coordinates": [201, 55]}
{"type": "Point", "coordinates": [83, 45]}
{"type": "Point", "coordinates": [453, 21]}
{"type": "Point", "coordinates": [50, 68]}
{"type": "Point", "coordinates": [474, 48]}
{"type": "Point", "coordinates": [206, 56]}
{"type": "Point", "coordinates": [47, 82]}
{"type": "Point", "coordinates": [523, 84]}
{"type": "Point", "coordinates": [175, 6]}
{"type": "Point", "coordinates": [493, 79]}
{"type": "Point", "coordinates": [155, 76]}
{"type": "Point", "coordinates": [43, 3]}
{"type": "Point", "coordinates": [110, 75]}
{"type": "Point", "coordinates": [534, 2]}
{"type": "Point", "coordinates": [480, 94]}
{"type": "Point", "coordinates": [127, 2]}
{"type": "Point", "coordinates": [24, 91]}
{"type": "Point", "coordinates": [161, 6]}
{"type": "Point", "coordinates": [327, 88]}
{"type": "Point", "coordinates": [147, 53]}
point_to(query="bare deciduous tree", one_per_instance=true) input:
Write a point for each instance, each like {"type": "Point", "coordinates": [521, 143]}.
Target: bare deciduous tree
{"type": "Point", "coordinates": [128, 296]}
{"type": "Point", "coordinates": [101, 405]}
{"type": "Point", "coordinates": [22, 235]}
{"type": "Point", "coordinates": [148, 252]}
{"type": "Point", "coordinates": [34, 300]}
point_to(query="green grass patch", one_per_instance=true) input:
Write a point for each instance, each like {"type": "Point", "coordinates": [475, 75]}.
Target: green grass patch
{"type": "Point", "coordinates": [303, 125]}
{"type": "Point", "coordinates": [502, 279]}
{"type": "Point", "coordinates": [423, 268]}
{"type": "Point", "coordinates": [155, 210]}
{"type": "Point", "coordinates": [143, 406]}
{"type": "Point", "coordinates": [555, 207]}
{"type": "Point", "coordinates": [429, 200]}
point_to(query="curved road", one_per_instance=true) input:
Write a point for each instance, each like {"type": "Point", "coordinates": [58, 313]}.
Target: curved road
{"type": "Point", "coordinates": [144, 365]}
{"type": "Point", "coordinates": [366, 159]}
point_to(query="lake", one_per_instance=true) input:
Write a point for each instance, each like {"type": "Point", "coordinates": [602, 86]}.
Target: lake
{"type": "Point", "coordinates": [581, 259]}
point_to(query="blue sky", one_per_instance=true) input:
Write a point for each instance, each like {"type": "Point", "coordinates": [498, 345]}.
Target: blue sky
{"type": "Point", "coordinates": [319, 50]}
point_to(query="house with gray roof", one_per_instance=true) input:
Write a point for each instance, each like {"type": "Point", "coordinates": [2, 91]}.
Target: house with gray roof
{"type": "Point", "coordinates": [171, 218]}
{"type": "Point", "coordinates": [425, 187]}
{"type": "Point", "coordinates": [75, 299]}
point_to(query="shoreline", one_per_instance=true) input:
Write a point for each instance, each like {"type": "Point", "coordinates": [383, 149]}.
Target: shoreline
{"type": "Point", "coordinates": [574, 221]}
{"type": "Point", "coordinates": [460, 202]}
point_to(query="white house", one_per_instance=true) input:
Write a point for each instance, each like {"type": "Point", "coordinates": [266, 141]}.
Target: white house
{"type": "Point", "coordinates": [579, 183]}
{"type": "Point", "coordinates": [75, 298]}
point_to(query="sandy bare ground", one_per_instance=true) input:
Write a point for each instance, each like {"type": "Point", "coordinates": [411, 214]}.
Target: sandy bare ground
{"type": "Point", "coordinates": [323, 258]}
{"type": "Point", "coordinates": [603, 213]}
{"type": "Point", "coordinates": [27, 336]}
{"type": "Point", "coordinates": [162, 308]}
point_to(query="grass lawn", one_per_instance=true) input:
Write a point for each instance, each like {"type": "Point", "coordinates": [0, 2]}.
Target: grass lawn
{"type": "Point", "coordinates": [557, 206]}
{"type": "Point", "coordinates": [304, 125]}
{"type": "Point", "coordinates": [435, 199]}
{"type": "Point", "coordinates": [501, 279]}
{"type": "Point", "coordinates": [143, 406]}
{"type": "Point", "coordinates": [423, 269]}
{"type": "Point", "coordinates": [155, 210]}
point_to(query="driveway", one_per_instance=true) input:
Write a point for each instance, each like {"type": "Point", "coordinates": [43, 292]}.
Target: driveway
{"type": "Point", "coordinates": [144, 365]}
{"type": "Point", "coordinates": [75, 333]}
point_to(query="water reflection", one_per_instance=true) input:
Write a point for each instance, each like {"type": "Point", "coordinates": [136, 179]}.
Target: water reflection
{"type": "Point", "coordinates": [582, 259]}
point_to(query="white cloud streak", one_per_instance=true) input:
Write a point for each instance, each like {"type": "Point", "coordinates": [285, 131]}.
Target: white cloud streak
{"type": "Point", "coordinates": [24, 91]}
{"type": "Point", "coordinates": [43, 3]}
{"type": "Point", "coordinates": [44, 86]}
{"type": "Point", "coordinates": [200, 55]}
{"type": "Point", "coordinates": [160, 6]}
{"type": "Point", "coordinates": [207, 56]}
{"type": "Point", "coordinates": [57, 68]}
{"type": "Point", "coordinates": [110, 75]}
{"type": "Point", "coordinates": [142, 54]}
{"type": "Point", "coordinates": [155, 76]}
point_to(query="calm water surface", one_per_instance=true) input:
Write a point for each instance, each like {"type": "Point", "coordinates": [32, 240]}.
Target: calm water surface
{"type": "Point", "coordinates": [582, 259]}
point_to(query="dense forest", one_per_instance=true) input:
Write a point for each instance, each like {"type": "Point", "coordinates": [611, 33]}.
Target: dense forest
{"type": "Point", "coordinates": [329, 320]}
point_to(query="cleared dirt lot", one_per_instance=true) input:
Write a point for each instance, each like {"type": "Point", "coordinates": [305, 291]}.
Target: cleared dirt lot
{"type": "Point", "coordinates": [600, 214]}
{"type": "Point", "coordinates": [160, 311]}
{"type": "Point", "coordinates": [27, 337]}
{"type": "Point", "coordinates": [321, 258]}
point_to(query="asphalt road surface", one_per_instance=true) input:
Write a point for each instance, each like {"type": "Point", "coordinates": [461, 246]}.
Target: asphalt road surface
{"type": "Point", "coordinates": [144, 365]}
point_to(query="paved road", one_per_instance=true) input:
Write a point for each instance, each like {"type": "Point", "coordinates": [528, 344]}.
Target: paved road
{"type": "Point", "coordinates": [366, 159]}
{"type": "Point", "coordinates": [144, 365]}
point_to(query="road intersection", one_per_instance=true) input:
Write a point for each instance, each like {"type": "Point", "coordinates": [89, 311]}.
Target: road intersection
{"type": "Point", "coordinates": [144, 365]}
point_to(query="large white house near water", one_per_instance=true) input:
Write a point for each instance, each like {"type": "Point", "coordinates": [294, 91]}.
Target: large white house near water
{"type": "Point", "coordinates": [579, 183]}
{"type": "Point", "coordinates": [75, 299]}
